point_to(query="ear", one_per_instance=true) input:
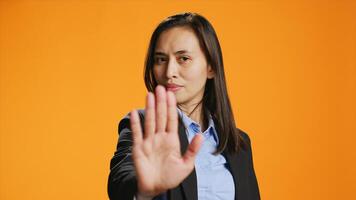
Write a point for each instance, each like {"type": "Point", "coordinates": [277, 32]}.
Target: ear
{"type": "Point", "coordinates": [211, 72]}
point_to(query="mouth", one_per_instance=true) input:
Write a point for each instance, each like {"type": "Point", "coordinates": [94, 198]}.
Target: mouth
{"type": "Point", "coordinates": [173, 87]}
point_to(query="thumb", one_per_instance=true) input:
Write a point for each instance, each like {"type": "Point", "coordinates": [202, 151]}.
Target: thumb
{"type": "Point", "coordinates": [193, 149]}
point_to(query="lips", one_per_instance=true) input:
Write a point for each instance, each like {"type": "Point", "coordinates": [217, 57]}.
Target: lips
{"type": "Point", "coordinates": [173, 87]}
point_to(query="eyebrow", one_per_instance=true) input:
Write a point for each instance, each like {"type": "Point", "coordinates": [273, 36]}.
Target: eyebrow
{"type": "Point", "coordinates": [177, 52]}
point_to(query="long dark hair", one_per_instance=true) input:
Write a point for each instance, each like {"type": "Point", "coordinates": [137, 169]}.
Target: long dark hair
{"type": "Point", "coordinates": [216, 99]}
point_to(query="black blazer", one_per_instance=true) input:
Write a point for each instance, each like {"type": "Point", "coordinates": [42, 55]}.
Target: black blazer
{"type": "Point", "coordinates": [122, 183]}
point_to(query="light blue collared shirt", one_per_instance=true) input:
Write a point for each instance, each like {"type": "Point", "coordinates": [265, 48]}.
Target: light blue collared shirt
{"type": "Point", "coordinates": [214, 180]}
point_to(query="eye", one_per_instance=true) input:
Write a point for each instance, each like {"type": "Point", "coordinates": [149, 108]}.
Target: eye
{"type": "Point", "coordinates": [160, 60]}
{"type": "Point", "coordinates": [183, 59]}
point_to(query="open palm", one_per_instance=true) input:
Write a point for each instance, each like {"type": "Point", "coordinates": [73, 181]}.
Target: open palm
{"type": "Point", "coordinates": [156, 153]}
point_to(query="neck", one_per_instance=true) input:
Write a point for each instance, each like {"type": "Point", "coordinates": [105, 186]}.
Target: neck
{"type": "Point", "coordinates": [195, 113]}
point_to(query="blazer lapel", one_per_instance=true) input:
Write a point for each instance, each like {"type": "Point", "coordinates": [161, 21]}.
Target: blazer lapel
{"type": "Point", "coordinates": [237, 169]}
{"type": "Point", "coordinates": [189, 185]}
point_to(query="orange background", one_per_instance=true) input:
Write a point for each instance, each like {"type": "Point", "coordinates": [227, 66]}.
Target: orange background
{"type": "Point", "coordinates": [70, 70]}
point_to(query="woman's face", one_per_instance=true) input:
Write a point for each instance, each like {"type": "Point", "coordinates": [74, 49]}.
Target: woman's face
{"type": "Point", "coordinates": [180, 65]}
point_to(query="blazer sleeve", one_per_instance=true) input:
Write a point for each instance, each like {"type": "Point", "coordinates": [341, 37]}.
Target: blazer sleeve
{"type": "Point", "coordinates": [253, 184]}
{"type": "Point", "coordinates": [122, 182]}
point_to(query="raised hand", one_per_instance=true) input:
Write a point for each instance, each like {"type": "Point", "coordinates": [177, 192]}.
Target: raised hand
{"type": "Point", "coordinates": [156, 153]}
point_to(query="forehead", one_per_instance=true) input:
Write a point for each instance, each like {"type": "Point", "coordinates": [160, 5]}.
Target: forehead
{"type": "Point", "coordinates": [177, 39]}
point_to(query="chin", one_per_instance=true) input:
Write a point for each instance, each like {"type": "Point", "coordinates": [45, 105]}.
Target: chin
{"type": "Point", "coordinates": [179, 98]}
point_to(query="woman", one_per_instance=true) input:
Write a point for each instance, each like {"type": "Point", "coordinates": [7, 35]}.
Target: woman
{"type": "Point", "coordinates": [184, 145]}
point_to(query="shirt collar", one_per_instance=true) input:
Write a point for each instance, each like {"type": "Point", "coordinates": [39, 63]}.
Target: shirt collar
{"type": "Point", "coordinates": [187, 121]}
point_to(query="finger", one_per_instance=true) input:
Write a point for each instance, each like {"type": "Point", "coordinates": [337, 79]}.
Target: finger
{"type": "Point", "coordinates": [193, 149]}
{"type": "Point", "coordinates": [161, 109]}
{"type": "Point", "coordinates": [136, 128]}
{"type": "Point", "coordinates": [150, 116]}
{"type": "Point", "coordinates": [172, 118]}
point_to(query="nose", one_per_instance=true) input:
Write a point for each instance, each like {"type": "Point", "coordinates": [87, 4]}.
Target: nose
{"type": "Point", "coordinates": [172, 69]}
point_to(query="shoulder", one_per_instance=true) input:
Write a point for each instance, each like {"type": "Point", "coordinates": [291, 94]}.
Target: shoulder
{"type": "Point", "coordinates": [244, 139]}
{"type": "Point", "coordinates": [244, 135]}
{"type": "Point", "coordinates": [125, 121]}
{"type": "Point", "coordinates": [140, 112]}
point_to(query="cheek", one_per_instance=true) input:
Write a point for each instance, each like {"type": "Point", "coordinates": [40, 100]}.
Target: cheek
{"type": "Point", "coordinates": [196, 75]}
{"type": "Point", "coordinates": [157, 73]}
